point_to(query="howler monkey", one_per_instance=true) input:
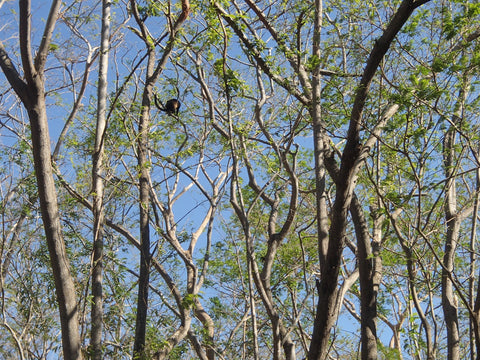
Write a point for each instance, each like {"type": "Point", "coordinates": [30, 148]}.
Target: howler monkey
{"type": "Point", "coordinates": [171, 106]}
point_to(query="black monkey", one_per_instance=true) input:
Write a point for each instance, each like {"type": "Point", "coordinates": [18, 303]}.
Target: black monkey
{"type": "Point", "coordinates": [171, 107]}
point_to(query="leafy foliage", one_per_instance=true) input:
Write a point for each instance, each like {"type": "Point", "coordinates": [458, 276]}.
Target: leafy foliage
{"type": "Point", "coordinates": [236, 168]}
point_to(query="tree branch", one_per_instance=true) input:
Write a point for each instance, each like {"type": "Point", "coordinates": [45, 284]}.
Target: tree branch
{"type": "Point", "coordinates": [42, 53]}
{"type": "Point", "coordinates": [13, 77]}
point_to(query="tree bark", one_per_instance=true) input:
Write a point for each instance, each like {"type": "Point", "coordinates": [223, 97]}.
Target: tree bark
{"type": "Point", "coordinates": [449, 302]}
{"type": "Point", "coordinates": [368, 293]}
{"type": "Point", "coordinates": [319, 142]}
{"type": "Point", "coordinates": [152, 73]}
{"type": "Point", "coordinates": [144, 206]}
{"type": "Point", "coordinates": [98, 189]}
{"type": "Point", "coordinates": [64, 285]}
{"type": "Point", "coordinates": [327, 290]}
{"type": "Point", "coordinates": [32, 94]}
{"type": "Point", "coordinates": [475, 297]}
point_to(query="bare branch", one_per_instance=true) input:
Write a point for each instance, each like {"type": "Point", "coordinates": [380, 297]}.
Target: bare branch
{"type": "Point", "coordinates": [42, 53]}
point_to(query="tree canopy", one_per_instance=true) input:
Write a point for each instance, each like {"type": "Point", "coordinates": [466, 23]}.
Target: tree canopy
{"type": "Point", "coordinates": [315, 197]}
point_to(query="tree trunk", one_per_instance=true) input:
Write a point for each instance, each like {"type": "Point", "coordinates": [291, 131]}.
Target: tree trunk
{"type": "Point", "coordinates": [474, 298]}
{"type": "Point", "coordinates": [368, 287]}
{"type": "Point", "coordinates": [32, 93]}
{"type": "Point", "coordinates": [449, 302]}
{"type": "Point", "coordinates": [65, 288]}
{"type": "Point", "coordinates": [368, 264]}
{"type": "Point", "coordinates": [319, 143]}
{"type": "Point", "coordinates": [325, 316]}
{"type": "Point", "coordinates": [152, 73]}
{"type": "Point", "coordinates": [97, 181]}
{"type": "Point", "coordinates": [453, 221]}
{"type": "Point", "coordinates": [144, 206]}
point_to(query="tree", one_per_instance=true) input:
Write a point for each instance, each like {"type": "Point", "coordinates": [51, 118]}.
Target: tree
{"type": "Point", "coordinates": [30, 89]}
{"type": "Point", "coordinates": [316, 196]}
{"type": "Point", "coordinates": [97, 181]}
{"type": "Point", "coordinates": [152, 74]}
{"type": "Point", "coordinates": [350, 162]}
